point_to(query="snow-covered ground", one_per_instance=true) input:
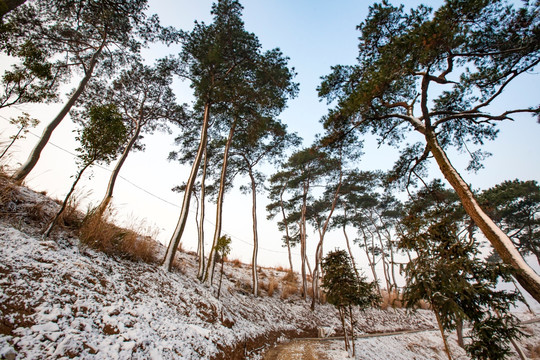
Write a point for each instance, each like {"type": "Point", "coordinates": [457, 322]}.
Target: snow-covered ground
{"type": "Point", "coordinates": [59, 299]}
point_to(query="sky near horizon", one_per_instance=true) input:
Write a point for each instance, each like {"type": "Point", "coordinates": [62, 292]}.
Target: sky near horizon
{"type": "Point", "coordinates": [315, 35]}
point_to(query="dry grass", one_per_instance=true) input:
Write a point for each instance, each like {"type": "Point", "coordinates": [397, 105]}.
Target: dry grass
{"type": "Point", "coordinates": [290, 285]}
{"type": "Point", "coordinates": [289, 277]}
{"type": "Point", "coordinates": [534, 351]}
{"type": "Point", "coordinates": [270, 286]}
{"type": "Point", "coordinates": [391, 299]}
{"type": "Point", "coordinates": [288, 290]}
{"type": "Point", "coordinates": [236, 263]}
{"type": "Point", "coordinates": [37, 212]}
{"type": "Point", "coordinates": [102, 235]}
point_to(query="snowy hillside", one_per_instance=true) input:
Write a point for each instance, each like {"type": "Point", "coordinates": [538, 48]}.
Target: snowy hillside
{"type": "Point", "coordinates": [59, 299]}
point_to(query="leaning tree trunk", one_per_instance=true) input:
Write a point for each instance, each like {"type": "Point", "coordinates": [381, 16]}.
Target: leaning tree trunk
{"type": "Point", "coordinates": [219, 206]}
{"type": "Point", "coordinates": [524, 274]}
{"type": "Point", "coordinates": [180, 226]}
{"type": "Point", "coordinates": [64, 204]}
{"type": "Point", "coordinates": [33, 158]}
{"type": "Point", "coordinates": [114, 175]}
{"type": "Point", "coordinates": [286, 225]}
{"type": "Point", "coordinates": [200, 273]}
{"type": "Point", "coordinates": [255, 234]}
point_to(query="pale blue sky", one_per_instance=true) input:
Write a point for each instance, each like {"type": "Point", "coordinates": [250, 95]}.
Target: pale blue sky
{"type": "Point", "coordinates": [315, 35]}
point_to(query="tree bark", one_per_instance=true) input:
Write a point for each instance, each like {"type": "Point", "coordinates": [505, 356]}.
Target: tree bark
{"type": "Point", "coordinates": [345, 337]}
{"type": "Point", "coordinates": [303, 241]}
{"type": "Point", "coordinates": [441, 329]}
{"type": "Point", "coordinates": [255, 235]}
{"type": "Point", "coordinates": [524, 274]}
{"type": "Point", "coordinates": [350, 253]}
{"type": "Point", "coordinates": [219, 205]}
{"type": "Point", "coordinates": [114, 175]}
{"type": "Point", "coordinates": [459, 333]}
{"type": "Point", "coordinates": [352, 332]}
{"type": "Point", "coordinates": [177, 235]}
{"type": "Point", "coordinates": [285, 223]}
{"type": "Point", "coordinates": [33, 158]}
{"type": "Point", "coordinates": [200, 273]}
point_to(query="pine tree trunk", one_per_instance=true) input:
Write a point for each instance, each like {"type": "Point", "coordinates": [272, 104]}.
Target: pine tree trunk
{"type": "Point", "coordinates": [441, 329]}
{"type": "Point", "coordinates": [352, 332]}
{"type": "Point", "coordinates": [287, 237]}
{"type": "Point", "coordinates": [200, 273]}
{"type": "Point", "coordinates": [345, 337]}
{"type": "Point", "coordinates": [64, 204]}
{"type": "Point", "coordinates": [350, 253]}
{"type": "Point", "coordinates": [315, 280]}
{"type": "Point", "coordinates": [524, 274]}
{"type": "Point", "coordinates": [371, 262]}
{"type": "Point", "coordinates": [177, 235]}
{"type": "Point", "coordinates": [303, 242]}
{"type": "Point", "coordinates": [459, 333]}
{"type": "Point", "coordinates": [219, 205]}
{"type": "Point", "coordinates": [33, 158]}
{"type": "Point", "coordinates": [114, 175]}
{"type": "Point", "coordinates": [255, 235]}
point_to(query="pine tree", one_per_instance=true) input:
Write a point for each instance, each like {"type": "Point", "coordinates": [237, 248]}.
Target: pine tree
{"type": "Point", "coordinates": [449, 274]}
{"type": "Point", "coordinates": [344, 290]}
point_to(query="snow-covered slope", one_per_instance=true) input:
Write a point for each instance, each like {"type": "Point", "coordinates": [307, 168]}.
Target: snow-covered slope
{"type": "Point", "coordinates": [59, 299]}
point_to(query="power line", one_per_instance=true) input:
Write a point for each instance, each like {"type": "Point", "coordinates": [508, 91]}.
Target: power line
{"type": "Point", "coordinates": [152, 194]}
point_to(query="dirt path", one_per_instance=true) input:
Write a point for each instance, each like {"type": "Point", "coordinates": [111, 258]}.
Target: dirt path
{"type": "Point", "coordinates": [317, 348]}
{"type": "Point", "coordinates": [297, 350]}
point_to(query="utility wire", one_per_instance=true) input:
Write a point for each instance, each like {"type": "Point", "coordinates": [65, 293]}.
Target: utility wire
{"type": "Point", "coordinates": [154, 195]}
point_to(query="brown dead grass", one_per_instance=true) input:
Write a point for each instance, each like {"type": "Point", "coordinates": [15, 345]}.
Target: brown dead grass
{"type": "Point", "coordinates": [270, 286]}
{"type": "Point", "coordinates": [534, 351]}
{"type": "Point", "coordinates": [98, 233]}
{"type": "Point", "coordinates": [236, 263]}
{"type": "Point", "coordinates": [393, 299]}
{"type": "Point", "coordinates": [289, 277]}
{"type": "Point", "coordinates": [288, 291]}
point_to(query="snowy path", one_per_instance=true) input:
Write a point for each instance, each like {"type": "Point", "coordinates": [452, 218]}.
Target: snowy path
{"type": "Point", "coordinates": [410, 344]}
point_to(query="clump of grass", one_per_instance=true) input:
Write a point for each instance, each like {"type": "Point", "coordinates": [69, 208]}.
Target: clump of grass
{"type": "Point", "coordinates": [98, 233]}
{"type": "Point", "coordinates": [71, 217]}
{"type": "Point", "coordinates": [273, 285]}
{"type": "Point", "coordinates": [236, 263]}
{"type": "Point", "coordinates": [270, 286]}
{"type": "Point", "coordinates": [288, 290]}
{"type": "Point", "coordinates": [290, 285]}
{"type": "Point", "coordinates": [289, 277]}
{"type": "Point", "coordinates": [392, 299]}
